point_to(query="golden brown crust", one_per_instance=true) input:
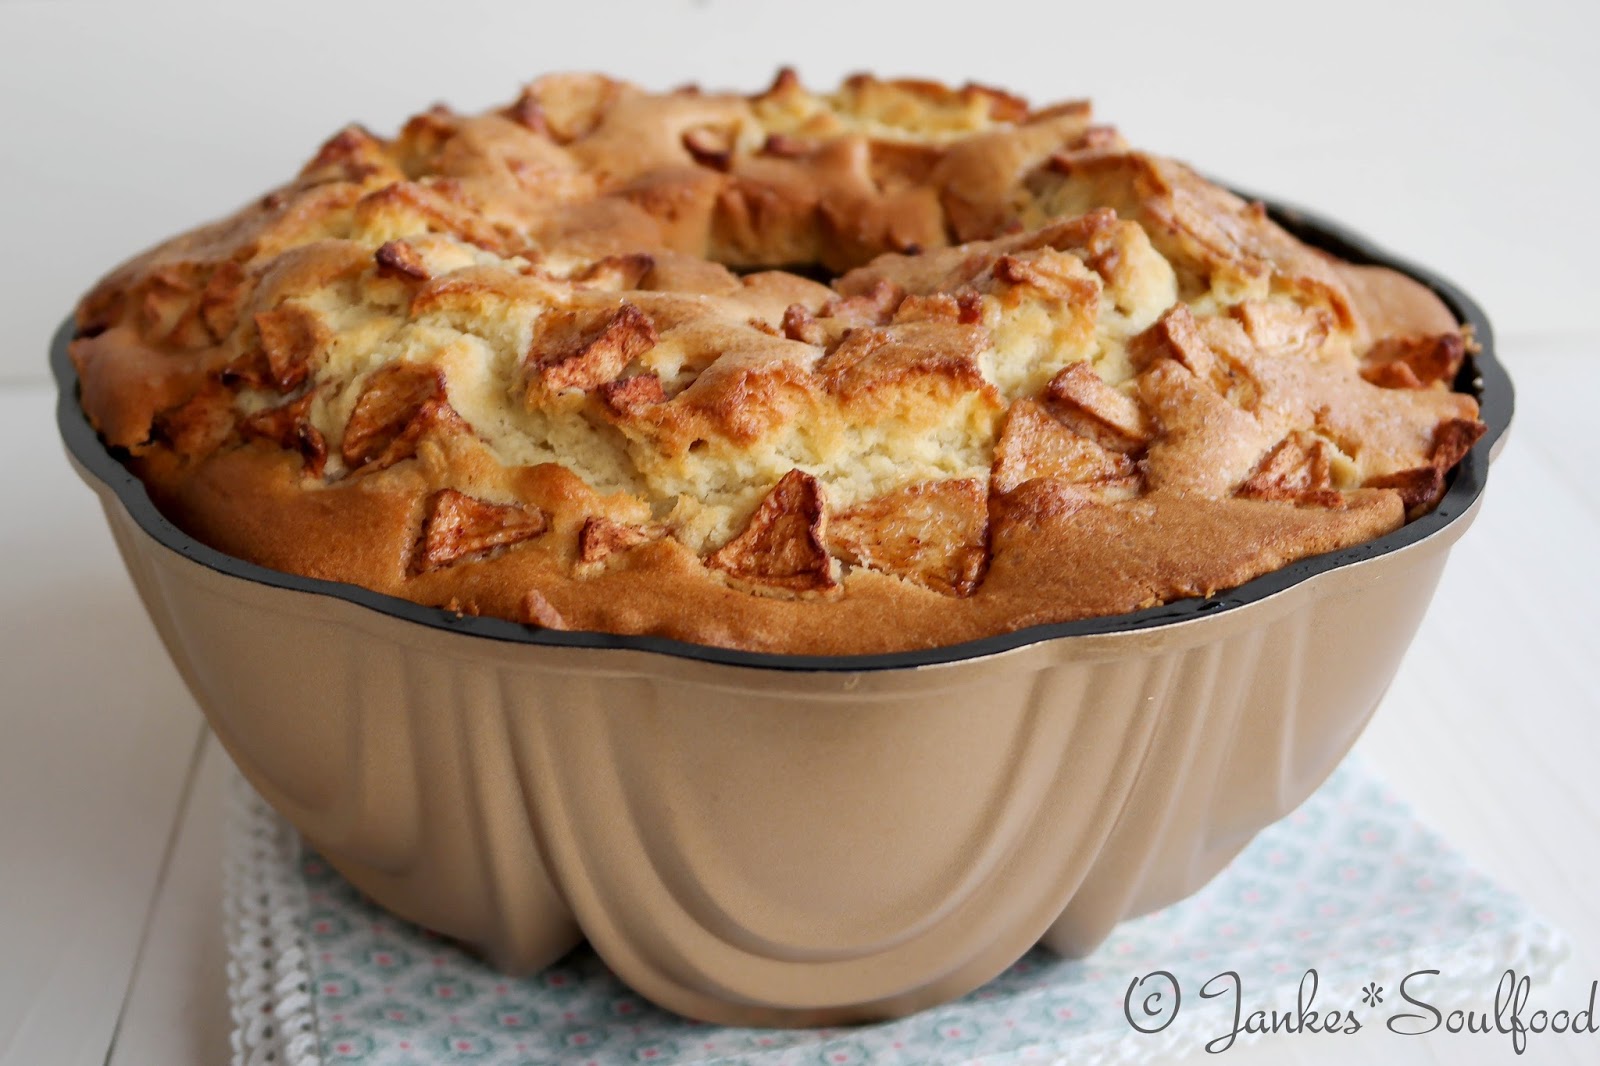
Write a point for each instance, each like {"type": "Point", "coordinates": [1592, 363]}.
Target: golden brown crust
{"type": "Point", "coordinates": [499, 364]}
{"type": "Point", "coordinates": [1421, 487]}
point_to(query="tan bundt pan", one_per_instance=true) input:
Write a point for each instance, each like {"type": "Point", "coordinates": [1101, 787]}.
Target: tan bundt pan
{"type": "Point", "coordinates": [784, 840]}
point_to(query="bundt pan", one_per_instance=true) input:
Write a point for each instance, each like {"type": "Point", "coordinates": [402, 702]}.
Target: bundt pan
{"type": "Point", "coordinates": [761, 839]}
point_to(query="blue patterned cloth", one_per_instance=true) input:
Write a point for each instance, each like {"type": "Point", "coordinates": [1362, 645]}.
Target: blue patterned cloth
{"type": "Point", "coordinates": [1350, 885]}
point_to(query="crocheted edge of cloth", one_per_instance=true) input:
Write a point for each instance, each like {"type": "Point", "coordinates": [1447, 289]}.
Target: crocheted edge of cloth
{"type": "Point", "coordinates": [264, 906]}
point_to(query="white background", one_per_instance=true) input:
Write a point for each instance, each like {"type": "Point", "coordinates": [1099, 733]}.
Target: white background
{"type": "Point", "coordinates": [1463, 136]}
{"type": "Point", "coordinates": [1461, 133]}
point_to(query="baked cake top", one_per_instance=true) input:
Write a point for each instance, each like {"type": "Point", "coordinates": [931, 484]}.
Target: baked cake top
{"type": "Point", "coordinates": [890, 367]}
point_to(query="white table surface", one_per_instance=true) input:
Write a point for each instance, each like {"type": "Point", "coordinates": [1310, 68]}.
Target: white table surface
{"type": "Point", "coordinates": [110, 788]}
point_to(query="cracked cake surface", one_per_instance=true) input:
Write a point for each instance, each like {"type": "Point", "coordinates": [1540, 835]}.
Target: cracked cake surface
{"type": "Point", "coordinates": [894, 366]}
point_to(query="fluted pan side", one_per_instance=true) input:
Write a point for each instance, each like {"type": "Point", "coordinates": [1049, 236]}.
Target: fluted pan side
{"type": "Point", "coordinates": [809, 854]}
{"type": "Point", "coordinates": [752, 846]}
{"type": "Point", "coordinates": [1254, 724]}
